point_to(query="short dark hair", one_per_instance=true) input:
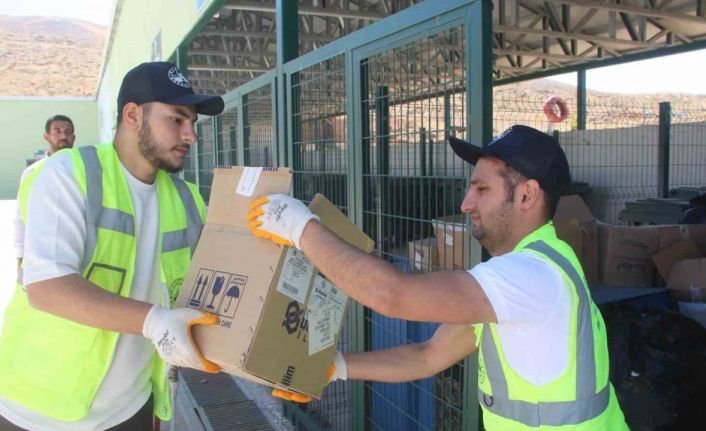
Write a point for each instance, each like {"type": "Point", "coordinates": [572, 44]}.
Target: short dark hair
{"type": "Point", "coordinates": [58, 117]}
{"type": "Point", "coordinates": [512, 178]}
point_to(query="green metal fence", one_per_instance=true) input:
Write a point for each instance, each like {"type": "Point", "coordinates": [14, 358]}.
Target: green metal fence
{"type": "Point", "coordinates": [366, 120]}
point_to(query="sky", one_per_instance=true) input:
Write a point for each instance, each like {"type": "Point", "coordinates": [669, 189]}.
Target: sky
{"type": "Point", "coordinates": [680, 73]}
{"type": "Point", "coordinates": [95, 11]}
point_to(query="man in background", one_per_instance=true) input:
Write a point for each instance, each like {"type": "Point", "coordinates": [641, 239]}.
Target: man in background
{"type": "Point", "coordinates": [59, 133]}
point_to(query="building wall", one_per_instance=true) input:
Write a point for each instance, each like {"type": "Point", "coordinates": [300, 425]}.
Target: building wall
{"type": "Point", "coordinates": [137, 25]}
{"type": "Point", "coordinates": [22, 121]}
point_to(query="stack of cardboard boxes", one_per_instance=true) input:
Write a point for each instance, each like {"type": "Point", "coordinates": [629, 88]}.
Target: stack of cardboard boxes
{"type": "Point", "coordinates": [447, 250]}
{"type": "Point", "coordinates": [635, 256]}
{"type": "Point", "coordinates": [611, 255]}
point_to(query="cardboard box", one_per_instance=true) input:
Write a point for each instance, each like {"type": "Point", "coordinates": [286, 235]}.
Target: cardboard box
{"type": "Point", "coordinates": [698, 233]}
{"type": "Point", "coordinates": [423, 255]}
{"type": "Point", "coordinates": [572, 207]}
{"type": "Point", "coordinates": [278, 319]}
{"type": "Point", "coordinates": [626, 254]}
{"type": "Point", "coordinates": [687, 280]}
{"type": "Point", "coordinates": [665, 259]}
{"type": "Point", "coordinates": [453, 242]}
{"type": "Point", "coordinates": [571, 232]}
{"type": "Point", "coordinates": [672, 233]}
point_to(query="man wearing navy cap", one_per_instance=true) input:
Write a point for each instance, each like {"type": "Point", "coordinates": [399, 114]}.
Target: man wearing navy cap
{"type": "Point", "coordinates": [527, 310]}
{"type": "Point", "coordinates": [90, 330]}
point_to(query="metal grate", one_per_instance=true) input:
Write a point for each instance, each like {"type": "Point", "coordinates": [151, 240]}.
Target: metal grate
{"type": "Point", "coordinates": [258, 137]}
{"type": "Point", "coordinates": [320, 149]}
{"type": "Point", "coordinates": [227, 151]}
{"type": "Point", "coordinates": [222, 406]}
{"type": "Point", "coordinates": [206, 157]}
{"type": "Point", "coordinates": [413, 100]}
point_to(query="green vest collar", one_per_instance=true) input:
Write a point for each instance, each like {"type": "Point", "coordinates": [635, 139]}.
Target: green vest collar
{"type": "Point", "coordinates": [545, 232]}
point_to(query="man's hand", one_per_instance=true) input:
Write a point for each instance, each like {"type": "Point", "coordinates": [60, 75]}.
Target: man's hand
{"type": "Point", "coordinates": [170, 332]}
{"type": "Point", "coordinates": [280, 218]}
{"type": "Point", "coordinates": [337, 371]}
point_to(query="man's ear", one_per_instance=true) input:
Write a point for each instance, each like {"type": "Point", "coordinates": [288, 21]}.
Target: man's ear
{"type": "Point", "coordinates": [132, 116]}
{"type": "Point", "coordinates": [46, 137]}
{"type": "Point", "coordinates": [530, 194]}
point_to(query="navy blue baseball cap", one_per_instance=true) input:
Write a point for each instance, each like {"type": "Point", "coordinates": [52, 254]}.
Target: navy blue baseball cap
{"type": "Point", "coordinates": [534, 154]}
{"type": "Point", "coordinates": [161, 81]}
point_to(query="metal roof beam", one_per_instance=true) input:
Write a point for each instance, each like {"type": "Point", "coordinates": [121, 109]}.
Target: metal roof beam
{"type": "Point", "coordinates": [654, 13]}
{"type": "Point", "coordinates": [582, 36]}
{"type": "Point", "coordinates": [262, 34]}
{"type": "Point", "coordinates": [251, 56]}
{"type": "Point", "coordinates": [546, 56]}
{"type": "Point", "coordinates": [308, 10]}
{"type": "Point", "coordinates": [204, 67]}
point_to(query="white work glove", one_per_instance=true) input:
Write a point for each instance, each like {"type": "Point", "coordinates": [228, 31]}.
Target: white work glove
{"type": "Point", "coordinates": [337, 371]}
{"type": "Point", "coordinates": [280, 218]}
{"type": "Point", "coordinates": [170, 332]}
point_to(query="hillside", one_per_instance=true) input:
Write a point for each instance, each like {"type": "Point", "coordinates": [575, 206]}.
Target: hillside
{"type": "Point", "coordinates": [45, 56]}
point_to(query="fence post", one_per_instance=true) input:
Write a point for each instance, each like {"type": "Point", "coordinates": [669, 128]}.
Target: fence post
{"type": "Point", "coordinates": [382, 150]}
{"type": "Point", "coordinates": [287, 22]}
{"type": "Point", "coordinates": [581, 99]}
{"type": "Point", "coordinates": [665, 128]}
{"type": "Point", "coordinates": [479, 102]}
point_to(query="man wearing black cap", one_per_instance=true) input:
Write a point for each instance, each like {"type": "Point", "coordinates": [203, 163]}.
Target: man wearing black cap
{"type": "Point", "coordinates": [90, 329]}
{"type": "Point", "coordinates": [527, 310]}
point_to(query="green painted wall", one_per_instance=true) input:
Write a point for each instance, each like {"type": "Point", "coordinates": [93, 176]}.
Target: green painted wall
{"type": "Point", "coordinates": [22, 122]}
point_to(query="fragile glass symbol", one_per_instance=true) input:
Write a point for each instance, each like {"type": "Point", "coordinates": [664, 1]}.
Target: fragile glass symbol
{"type": "Point", "coordinates": [217, 286]}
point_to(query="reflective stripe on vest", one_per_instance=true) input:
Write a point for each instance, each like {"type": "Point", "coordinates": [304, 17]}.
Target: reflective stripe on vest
{"type": "Point", "coordinates": [113, 219]}
{"type": "Point", "coordinates": [587, 405]}
{"type": "Point", "coordinates": [185, 237]}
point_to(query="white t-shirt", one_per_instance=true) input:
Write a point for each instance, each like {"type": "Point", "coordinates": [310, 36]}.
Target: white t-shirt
{"type": "Point", "coordinates": [54, 247]}
{"type": "Point", "coordinates": [533, 306]}
{"type": "Point", "coordinates": [19, 225]}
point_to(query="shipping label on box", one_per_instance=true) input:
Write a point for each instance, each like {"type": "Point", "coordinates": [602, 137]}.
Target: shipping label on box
{"type": "Point", "coordinates": [423, 255]}
{"type": "Point", "coordinates": [261, 292]}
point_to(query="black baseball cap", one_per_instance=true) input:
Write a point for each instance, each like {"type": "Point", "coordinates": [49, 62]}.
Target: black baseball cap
{"type": "Point", "coordinates": [534, 154]}
{"type": "Point", "coordinates": [161, 81]}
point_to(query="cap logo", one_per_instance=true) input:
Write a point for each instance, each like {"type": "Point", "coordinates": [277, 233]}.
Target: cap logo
{"type": "Point", "coordinates": [176, 77]}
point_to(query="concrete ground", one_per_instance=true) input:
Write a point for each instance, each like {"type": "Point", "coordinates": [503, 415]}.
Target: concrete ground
{"type": "Point", "coordinates": [270, 407]}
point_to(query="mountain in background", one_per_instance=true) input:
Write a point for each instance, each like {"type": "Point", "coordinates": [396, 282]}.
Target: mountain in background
{"type": "Point", "coordinates": [49, 57]}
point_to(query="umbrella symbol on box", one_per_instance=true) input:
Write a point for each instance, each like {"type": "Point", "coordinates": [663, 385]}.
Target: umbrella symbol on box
{"type": "Point", "coordinates": [233, 292]}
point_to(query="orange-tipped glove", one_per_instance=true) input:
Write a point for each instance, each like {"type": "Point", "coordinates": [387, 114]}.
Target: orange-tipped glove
{"type": "Point", "coordinates": [337, 371]}
{"type": "Point", "coordinates": [170, 332]}
{"type": "Point", "coordinates": [280, 218]}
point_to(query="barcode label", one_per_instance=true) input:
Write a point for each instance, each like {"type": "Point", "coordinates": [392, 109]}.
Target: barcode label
{"type": "Point", "coordinates": [291, 289]}
{"type": "Point", "coordinates": [326, 306]}
{"type": "Point", "coordinates": [297, 273]}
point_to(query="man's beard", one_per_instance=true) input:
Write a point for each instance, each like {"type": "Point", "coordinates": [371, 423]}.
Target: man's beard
{"type": "Point", "coordinates": [60, 146]}
{"type": "Point", "coordinates": [152, 151]}
{"type": "Point", "coordinates": [494, 236]}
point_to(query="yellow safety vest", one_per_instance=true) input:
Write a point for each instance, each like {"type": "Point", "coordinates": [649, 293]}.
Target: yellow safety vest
{"type": "Point", "coordinates": [55, 366]}
{"type": "Point", "coordinates": [582, 398]}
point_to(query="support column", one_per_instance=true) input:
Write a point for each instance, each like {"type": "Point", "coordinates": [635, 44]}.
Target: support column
{"type": "Point", "coordinates": [287, 19]}
{"type": "Point", "coordinates": [665, 138]}
{"type": "Point", "coordinates": [581, 99]}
